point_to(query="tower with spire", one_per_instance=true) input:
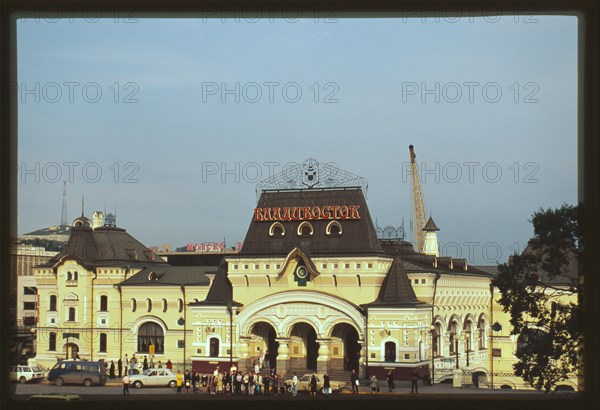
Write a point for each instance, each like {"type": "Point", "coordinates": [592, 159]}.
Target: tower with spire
{"type": "Point", "coordinates": [430, 242]}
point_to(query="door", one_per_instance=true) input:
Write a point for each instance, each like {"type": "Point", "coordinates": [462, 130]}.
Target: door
{"type": "Point", "coordinates": [73, 374]}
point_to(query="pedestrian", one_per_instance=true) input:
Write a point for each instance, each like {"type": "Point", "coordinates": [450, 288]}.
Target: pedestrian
{"type": "Point", "coordinates": [111, 371]}
{"type": "Point", "coordinates": [427, 379]}
{"type": "Point", "coordinates": [187, 378]}
{"type": "Point", "coordinates": [120, 367]}
{"type": "Point", "coordinates": [160, 364]}
{"type": "Point", "coordinates": [275, 382]}
{"type": "Point", "coordinates": [414, 377]}
{"type": "Point", "coordinates": [126, 382]}
{"type": "Point", "coordinates": [261, 358]}
{"type": "Point", "coordinates": [390, 381]}
{"type": "Point", "coordinates": [126, 361]}
{"type": "Point", "coordinates": [246, 382]}
{"type": "Point", "coordinates": [132, 364]}
{"type": "Point", "coordinates": [204, 382]}
{"type": "Point", "coordinates": [267, 384]}
{"type": "Point", "coordinates": [196, 382]}
{"type": "Point", "coordinates": [251, 384]}
{"type": "Point", "coordinates": [227, 383]}
{"type": "Point", "coordinates": [151, 363]}
{"type": "Point", "coordinates": [220, 380]}
{"type": "Point", "coordinates": [169, 365]}
{"type": "Point", "coordinates": [294, 385]}
{"type": "Point", "coordinates": [282, 385]}
{"type": "Point", "coordinates": [145, 364]}
{"type": "Point", "coordinates": [354, 381]}
{"type": "Point", "coordinates": [256, 367]}
{"type": "Point", "coordinates": [313, 385]}
{"type": "Point", "coordinates": [374, 385]}
{"type": "Point", "coordinates": [259, 382]}
{"type": "Point", "coordinates": [326, 385]}
{"type": "Point", "coordinates": [179, 382]}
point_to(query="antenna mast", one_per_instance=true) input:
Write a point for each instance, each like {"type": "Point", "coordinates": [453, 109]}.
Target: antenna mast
{"type": "Point", "coordinates": [63, 216]}
{"type": "Point", "coordinates": [417, 201]}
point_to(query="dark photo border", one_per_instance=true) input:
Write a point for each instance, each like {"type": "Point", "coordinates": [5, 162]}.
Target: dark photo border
{"type": "Point", "coordinates": [588, 165]}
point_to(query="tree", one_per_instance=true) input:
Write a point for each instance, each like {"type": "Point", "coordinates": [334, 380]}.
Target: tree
{"type": "Point", "coordinates": [537, 289]}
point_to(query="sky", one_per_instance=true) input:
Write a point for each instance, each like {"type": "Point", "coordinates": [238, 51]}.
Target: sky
{"type": "Point", "coordinates": [174, 121]}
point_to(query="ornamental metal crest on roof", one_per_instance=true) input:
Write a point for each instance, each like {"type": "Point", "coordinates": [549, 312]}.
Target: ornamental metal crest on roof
{"type": "Point", "coordinates": [312, 175]}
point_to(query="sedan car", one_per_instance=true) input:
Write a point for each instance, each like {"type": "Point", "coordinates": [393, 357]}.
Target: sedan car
{"type": "Point", "coordinates": [304, 382]}
{"type": "Point", "coordinates": [154, 377]}
{"type": "Point", "coordinates": [24, 374]}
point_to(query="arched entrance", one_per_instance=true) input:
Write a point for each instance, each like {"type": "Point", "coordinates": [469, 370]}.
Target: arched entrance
{"type": "Point", "coordinates": [263, 340]}
{"type": "Point", "coordinates": [71, 350]}
{"type": "Point", "coordinates": [349, 349]}
{"type": "Point", "coordinates": [305, 348]}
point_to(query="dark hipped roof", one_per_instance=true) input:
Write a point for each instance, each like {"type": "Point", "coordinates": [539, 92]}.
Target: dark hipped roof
{"type": "Point", "coordinates": [105, 246]}
{"type": "Point", "coordinates": [221, 291]}
{"type": "Point", "coordinates": [172, 275]}
{"type": "Point", "coordinates": [568, 277]}
{"type": "Point", "coordinates": [396, 290]}
{"type": "Point", "coordinates": [430, 225]}
{"type": "Point", "coordinates": [358, 236]}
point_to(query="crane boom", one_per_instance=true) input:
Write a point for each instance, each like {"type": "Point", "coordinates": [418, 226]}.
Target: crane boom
{"type": "Point", "coordinates": [417, 201]}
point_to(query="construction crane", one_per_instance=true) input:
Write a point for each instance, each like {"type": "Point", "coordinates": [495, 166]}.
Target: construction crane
{"type": "Point", "coordinates": [417, 201]}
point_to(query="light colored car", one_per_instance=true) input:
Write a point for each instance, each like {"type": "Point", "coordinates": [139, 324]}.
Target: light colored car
{"type": "Point", "coordinates": [154, 377]}
{"type": "Point", "coordinates": [24, 374]}
{"type": "Point", "coordinates": [304, 382]}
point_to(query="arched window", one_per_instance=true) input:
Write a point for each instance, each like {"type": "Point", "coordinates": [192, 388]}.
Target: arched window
{"type": "Point", "coordinates": [103, 303]}
{"type": "Point", "coordinates": [436, 339]}
{"type": "Point", "coordinates": [469, 336]}
{"type": "Point", "coordinates": [180, 305]}
{"type": "Point", "coordinates": [305, 229]}
{"type": "Point", "coordinates": [214, 347]}
{"type": "Point", "coordinates": [335, 280]}
{"type": "Point", "coordinates": [333, 228]}
{"type": "Point", "coordinates": [150, 333]}
{"type": "Point", "coordinates": [390, 352]}
{"type": "Point", "coordinates": [53, 303]}
{"type": "Point", "coordinates": [246, 279]}
{"type": "Point", "coordinates": [528, 341]}
{"type": "Point", "coordinates": [276, 229]}
{"type": "Point", "coordinates": [69, 275]}
{"type": "Point", "coordinates": [103, 342]}
{"type": "Point", "coordinates": [52, 341]}
{"type": "Point", "coordinates": [164, 303]}
{"type": "Point", "coordinates": [482, 334]}
{"type": "Point", "coordinates": [149, 304]}
{"type": "Point", "coordinates": [71, 314]}
{"type": "Point", "coordinates": [75, 275]}
{"type": "Point", "coordinates": [453, 337]}
{"type": "Point", "coordinates": [358, 280]}
{"type": "Point", "coordinates": [133, 305]}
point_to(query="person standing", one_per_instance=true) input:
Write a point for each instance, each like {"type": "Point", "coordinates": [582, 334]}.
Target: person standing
{"type": "Point", "coordinates": [251, 384]}
{"type": "Point", "coordinates": [354, 381]}
{"type": "Point", "coordinates": [179, 382]}
{"type": "Point", "coordinates": [260, 358]}
{"type": "Point", "coordinates": [267, 361]}
{"type": "Point", "coordinates": [326, 385]}
{"type": "Point", "coordinates": [390, 381]}
{"type": "Point", "coordinates": [204, 381]}
{"type": "Point", "coordinates": [151, 363]}
{"type": "Point", "coordinates": [120, 367]}
{"type": "Point", "coordinates": [187, 379]}
{"type": "Point", "coordinates": [374, 384]}
{"type": "Point", "coordinates": [256, 367]}
{"type": "Point", "coordinates": [313, 385]}
{"type": "Point", "coordinates": [169, 365]}
{"type": "Point", "coordinates": [196, 382]}
{"type": "Point", "coordinates": [160, 365]}
{"type": "Point", "coordinates": [275, 382]}
{"type": "Point", "coordinates": [145, 364]}
{"type": "Point", "coordinates": [414, 377]}
{"type": "Point", "coordinates": [294, 385]}
{"type": "Point", "coordinates": [258, 382]}
{"type": "Point", "coordinates": [111, 371]}
{"type": "Point", "coordinates": [267, 384]}
{"type": "Point", "coordinates": [126, 382]}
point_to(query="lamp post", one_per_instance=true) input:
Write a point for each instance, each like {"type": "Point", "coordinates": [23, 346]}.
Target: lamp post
{"type": "Point", "coordinates": [456, 349]}
{"type": "Point", "coordinates": [433, 343]}
{"type": "Point", "coordinates": [230, 311]}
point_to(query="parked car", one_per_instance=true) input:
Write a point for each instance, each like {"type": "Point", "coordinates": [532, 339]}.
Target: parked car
{"type": "Point", "coordinates": [24, 374]}
{"type": "Point", "coordinates": [304, 382]}
{"type": "Point", "coordinates": [154, 377]}
{"type": "Point", "coordinates": [77, 372]}
{"type": "Point", "coordinates": [54, 397]}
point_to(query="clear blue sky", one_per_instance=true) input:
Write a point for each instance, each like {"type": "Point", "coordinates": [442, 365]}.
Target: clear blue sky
{"type": "Point", "coordinates": [373, 66]}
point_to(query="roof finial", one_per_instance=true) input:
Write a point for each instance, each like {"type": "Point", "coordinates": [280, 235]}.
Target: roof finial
{"type": "Point", "coordinates": [82, 206]}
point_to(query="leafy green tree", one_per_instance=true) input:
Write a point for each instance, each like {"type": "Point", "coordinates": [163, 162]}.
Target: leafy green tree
{"type": "Point", "coordinates": [533, 286]}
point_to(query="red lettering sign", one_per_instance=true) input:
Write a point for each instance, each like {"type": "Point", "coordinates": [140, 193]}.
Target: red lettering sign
{"type": "Point", "coordinates": [307, 213]}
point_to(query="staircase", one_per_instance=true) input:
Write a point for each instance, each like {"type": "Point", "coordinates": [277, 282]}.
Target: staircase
{"type": "Point", "coordinates": [340, 375]}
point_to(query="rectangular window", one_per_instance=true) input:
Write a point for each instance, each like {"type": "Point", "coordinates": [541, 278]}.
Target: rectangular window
{"type": "Point", "coordinates": [103, 342]}
{"type": "Point", "coordinates": [29, 305]}
{"type": "Point", "coordinates": [278, 266]}
{"type": "Point", "coordinates": [335, 266]}
{"type": "Point", "coordinates": [245, 266]}
{"type": "Point", "coordinates": [52, 341]}
{"type": "Point", "coordinates": [256, 266]}
{"type": "Point", "coordinates": [496, 352]}
{"type": "Point", "coordinates": [324, 266]}
{"type": "Point", "coordinates": [407, 356]}
{"type": "Point", "coordinates": [267, 266]}
{"type": "Point", "coordinates": [372, 355]}
{"type": "Point", "coordinates": [296, 350]}
{"type": "Point", "coordinates": [369, 265]}
{"type": "Point", "coordinates": [423, 281]}
{"type": "Point", "coordinates": [29, 290]}
{"type": "Point", "coordinates": [235, 267]}
{"type": "Point", "coordinates": [358, 265]}
{"type": "Point", "coordinates": [346, 266]}
{"type": "Point", "coordinates": [198, 351]}
{"type": "Point", "coordinates": [336, 351]}
{"type": "Point", "coordinates": [180, 344]}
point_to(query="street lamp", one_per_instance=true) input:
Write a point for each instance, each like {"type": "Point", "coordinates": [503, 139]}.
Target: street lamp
{"type": "Point", "coordinates": [456, 349]}
{"type": "Point", "coordinates": [230, 311]}
{"type": "Point", "coordinates": [433, 346]}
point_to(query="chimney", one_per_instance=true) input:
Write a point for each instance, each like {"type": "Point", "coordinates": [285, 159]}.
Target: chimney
{"type": "Point", "coordinates": [97, 219]}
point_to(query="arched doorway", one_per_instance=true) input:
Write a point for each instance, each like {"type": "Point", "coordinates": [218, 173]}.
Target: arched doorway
{"type": "Point", "coordinates": [263, 339]}
{"type": "Point", "coordinates": [350, 348]}
{"type": "Point", "coordinates": [71, 350]}
{"type": "Point", "coordinates": [305, 348]}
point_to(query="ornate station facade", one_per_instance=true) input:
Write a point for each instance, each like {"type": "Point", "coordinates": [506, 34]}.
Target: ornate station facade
{"type": "Point", "coordinates": [313, 288]}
